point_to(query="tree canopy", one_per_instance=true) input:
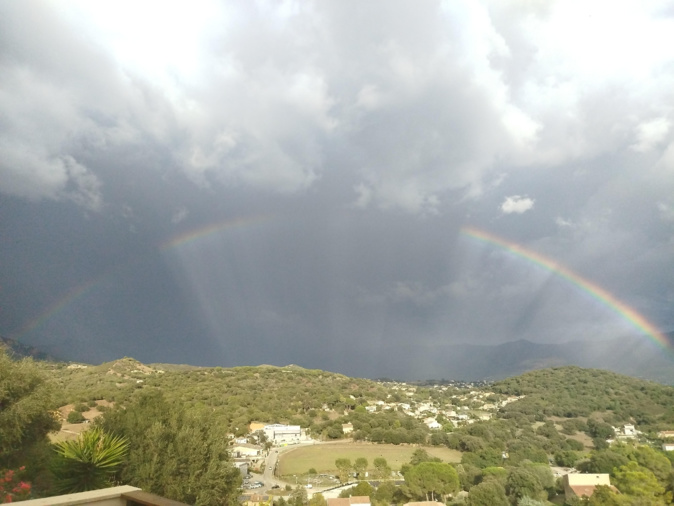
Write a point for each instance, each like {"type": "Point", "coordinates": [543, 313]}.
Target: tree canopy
{"type": "Point", "coordinates": [175, 453]}
{"type": "Point", "coordinates": [431, 480]}
{"type": "Point", "coordinates": [26, 404]}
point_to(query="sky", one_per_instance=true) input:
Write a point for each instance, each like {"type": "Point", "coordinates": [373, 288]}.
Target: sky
{"type": "Point", "coordinates": [229, 183]}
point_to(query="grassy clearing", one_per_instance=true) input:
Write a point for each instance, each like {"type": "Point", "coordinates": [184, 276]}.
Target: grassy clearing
{"type": "Point", "coordinates": [322, 456]}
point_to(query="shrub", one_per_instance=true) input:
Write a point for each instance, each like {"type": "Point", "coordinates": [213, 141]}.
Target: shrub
{"type": "Point", "coordinates": [75, 417]}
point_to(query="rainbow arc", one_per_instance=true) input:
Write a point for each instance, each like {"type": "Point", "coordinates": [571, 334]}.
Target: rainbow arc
{"type": "Point", "coordinates": [597, 292]}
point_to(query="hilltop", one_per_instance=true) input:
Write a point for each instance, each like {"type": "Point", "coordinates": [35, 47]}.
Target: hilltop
{"type": "Point", "coordinates": [17, 350]}
{"type": "Point", "coordinates": [316, 398]}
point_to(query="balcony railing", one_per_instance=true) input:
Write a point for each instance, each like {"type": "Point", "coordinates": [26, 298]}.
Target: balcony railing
{"type": "Point", "coordinates": [114, 496]}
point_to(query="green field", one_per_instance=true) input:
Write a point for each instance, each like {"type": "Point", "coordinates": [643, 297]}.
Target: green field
{"type": "Point", "coordinates": [322, 456]}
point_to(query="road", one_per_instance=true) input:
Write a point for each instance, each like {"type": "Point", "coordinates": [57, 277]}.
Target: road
{"type": "Point", "coordinates": [270, 468]}
{"type": "Point", "coordinates": [268, 476]}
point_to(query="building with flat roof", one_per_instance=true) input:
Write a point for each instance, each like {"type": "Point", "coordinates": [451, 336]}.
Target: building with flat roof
{"type": "Point", "coordinates": [279, 433]}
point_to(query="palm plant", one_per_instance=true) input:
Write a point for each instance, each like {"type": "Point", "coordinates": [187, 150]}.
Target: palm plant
{"type": "Point", "coordinates": [88, 462]}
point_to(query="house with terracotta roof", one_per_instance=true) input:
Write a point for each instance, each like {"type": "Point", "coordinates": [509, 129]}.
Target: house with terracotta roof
{"type": "Point", "coordinates": [356, 500]}
{"type": "Point", "coordinates": [256, 500]}
{"type": "Point", "coordinates": [583, 485]}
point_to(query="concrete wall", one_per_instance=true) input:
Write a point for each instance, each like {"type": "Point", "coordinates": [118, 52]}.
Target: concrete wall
{"type": "Point", "coordinates": [103, 497]}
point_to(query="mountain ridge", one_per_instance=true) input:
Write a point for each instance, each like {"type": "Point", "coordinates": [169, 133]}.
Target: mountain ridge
{"type": "Point", "coordinates": [635, 356]}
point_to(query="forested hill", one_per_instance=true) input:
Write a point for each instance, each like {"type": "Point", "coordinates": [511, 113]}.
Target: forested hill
{"type": "Point", "coordinates": [17, 349]}
{"type": "Point", "coordinates": [241, 394]}
{"type": "Point", "coordinates": [300, 396]}
{"type": "Point", "coordinates": [573, 391]}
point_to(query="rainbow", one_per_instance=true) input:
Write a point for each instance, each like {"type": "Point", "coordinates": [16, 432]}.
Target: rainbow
{"type": "Point", "coordinates": [59, 305]}
{"type": "Point", "coordinates": [212, 228]}
{"type": "Point", "coordinates": [597, 292]}
{"type": "Point", "coordinates": [82, 289]}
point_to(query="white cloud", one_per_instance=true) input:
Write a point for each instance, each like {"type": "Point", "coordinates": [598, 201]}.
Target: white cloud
{"type": "Point", "coordinates": [26, 172]}
{"type": "Point", "coordinates": [650, 133]}
{"type": "Point", "coordinates": [516, 204]}
{"type": "Point", "coordinates": [436, 101]}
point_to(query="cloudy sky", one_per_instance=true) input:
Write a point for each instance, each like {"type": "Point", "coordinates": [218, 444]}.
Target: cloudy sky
{"type": "Point", "coordinates": [237, 183]}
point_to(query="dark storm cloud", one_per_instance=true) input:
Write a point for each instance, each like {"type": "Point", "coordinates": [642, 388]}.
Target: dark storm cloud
{"type": "Point", "coordinates": [335, 150]}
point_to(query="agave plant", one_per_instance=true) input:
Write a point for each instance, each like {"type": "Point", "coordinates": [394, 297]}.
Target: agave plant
{"type": "Point", "coordinates": [88, 462]}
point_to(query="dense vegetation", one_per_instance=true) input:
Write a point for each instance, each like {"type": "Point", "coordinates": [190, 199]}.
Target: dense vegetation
{"type": "Point", "coordinates": [572, 392]}
{"type": "Point", "coordinates": [236, 396]}
{"type": "Point", "coordinates": [175, 423]}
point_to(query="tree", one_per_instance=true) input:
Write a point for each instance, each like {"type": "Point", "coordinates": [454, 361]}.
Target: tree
{"type": "Point", "coordinates": [495, 473]}
{"type": "Point", "coordinates": [469, 475]}
{"type": "Point", "coordinates": [604, 496]}
{"type": "Point", "coordinates": [633, 479]}
{"type": "Point", "coordinates": [298, 497]}
{"type": "Point", "coordinates": [385, 492]}
{"type": "Point", "coordinates": [363, 488]}
{"type": "Point", "coordinates": [381, 468]}
{"type": "Point", "coordinates": [488, 493]}
{"type": "Point", "coordinates": [89, 462]}
{"type": "Point", "coordinates": [176, 453]}
{"type": "Point", "coordinates": [343, 468]}
{"type": "Point", "coordinates": [544, 475]}
{"type": "Point", "coordinates": [566, 458]}
{"type": "Point", "coordinates": [602, 461]}
{"type": "Point", "coordinates": [599, 430]}
{"type": "Point", "coordinates": [420, 455]}
{"type": "Point", "coordinates": [360, 466]}
{"type": "Point", "coordinates": [25, 403]}
{"type": "Point", "coordinates": [528, 501]}
{"type": "Point", "coordinates": [523, 482]}
{"type": "Point", "coordinates": [432, 480]}
{"type": "Point", "coordinates": [647, 457]}
{"type": "Point", "coordinates": [318, 500]}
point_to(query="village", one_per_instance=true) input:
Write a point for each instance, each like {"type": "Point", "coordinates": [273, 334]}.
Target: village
{"type": "Point", "coordinates": [260, 450]}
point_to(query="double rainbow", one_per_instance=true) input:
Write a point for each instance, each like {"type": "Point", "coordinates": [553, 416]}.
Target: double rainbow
{"type": "Point", "coordinates": [596, 291]}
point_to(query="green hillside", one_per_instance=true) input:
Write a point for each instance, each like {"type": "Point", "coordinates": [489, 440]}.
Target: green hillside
{"type": "Point", "coordinates": [575, 392]}
{"type": "Point", "coordinates": [240, 395]}
{"type": "Point", "coordinates": [563, 414]}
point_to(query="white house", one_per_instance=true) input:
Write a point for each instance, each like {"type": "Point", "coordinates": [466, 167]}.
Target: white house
{"type": "Point", "coordinates": [278, 433]}
{"type": "Point", "coordinates": [246, 450]}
